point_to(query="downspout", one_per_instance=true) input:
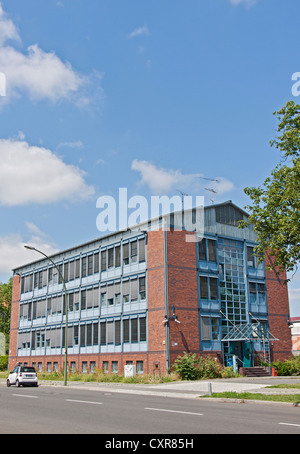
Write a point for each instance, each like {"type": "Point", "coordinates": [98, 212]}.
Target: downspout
{"type": "Point", "coordinates": [166, 302]}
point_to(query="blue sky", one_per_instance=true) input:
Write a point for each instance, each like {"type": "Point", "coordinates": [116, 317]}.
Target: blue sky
{"type": "Point", "coordinates": [151, 96]}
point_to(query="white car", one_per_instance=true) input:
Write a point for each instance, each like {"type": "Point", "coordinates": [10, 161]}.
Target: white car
{"type": "Point", "coordinates": [22, 375]}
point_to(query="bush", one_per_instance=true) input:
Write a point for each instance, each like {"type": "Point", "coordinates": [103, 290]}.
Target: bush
{"type": "Point", "coordinates": [288, 367]}
{"type": "Point", "coordinates": [186, 366]}
{"type": "Point", "coordinates": [3, 363]}
{"type": "Point", "coordinates": [191, 367]}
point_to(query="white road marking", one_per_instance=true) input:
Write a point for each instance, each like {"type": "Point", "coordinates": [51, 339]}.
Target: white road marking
{"type": "Point", "coordinates": [24, 395]}
{"type": "Point", "coordinates": [175, 411]}
{"type": "Point", "coordinates": [288, 424]}
{"type": "Point", "coordinates": [84, 402]}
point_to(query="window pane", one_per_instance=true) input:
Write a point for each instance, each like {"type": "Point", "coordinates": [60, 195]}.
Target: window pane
{"type": "Point", "coordinates": [103, 333]}
{"type": "Point", "coordinates": [142, 250]}
{"type": "Point", "coordinates": [213, 288]}
{"type": "Point", "coordinates": [125, 330]}
{"type": "Point", "coordinates": [110, 332]}
{"type": "Point", "coordinates": [110, 253]}
{"type": "Point", "coordinates": [134, 330]}
{"type": "Point", "coordinates": [117, 256]}
{"type": "Point", "coordinates": [203, 288]}
{"type": "Point", "coordinates": [212, 250]}
{"type": "Point", "coordinates": [202, 249]}
{"type": "Point", "coordinates": [117, 332]}
{"type": "Point", "coordinates": [143, 333]}
{"type": "Point", "coordinates": [205, 328]}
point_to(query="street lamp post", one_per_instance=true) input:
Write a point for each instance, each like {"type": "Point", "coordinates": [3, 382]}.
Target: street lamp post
{"type": "Point", "coordinates": [31, 248]}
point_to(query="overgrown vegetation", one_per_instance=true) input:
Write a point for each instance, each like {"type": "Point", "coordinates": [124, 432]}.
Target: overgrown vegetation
{"type": "Point", "coordinates": [288, 367]}
{"type": "Point", "coordinates": [193, 367]}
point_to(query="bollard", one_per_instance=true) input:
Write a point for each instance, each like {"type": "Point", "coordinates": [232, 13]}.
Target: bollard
{"type": "Point", "coordinates": [209, 389]}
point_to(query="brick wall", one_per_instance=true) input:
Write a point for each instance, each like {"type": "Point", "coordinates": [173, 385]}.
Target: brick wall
{"type": "Point", "coordinates": [14, 322]}
{"type": "Point", "coordinates": [183, 294]}
{"type": "Point", "coordinates": [278, 309]}
{"type": "Point", "coordinates": [157, 340]}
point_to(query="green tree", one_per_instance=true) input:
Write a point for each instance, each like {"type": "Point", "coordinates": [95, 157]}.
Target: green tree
{"type": "Point", "coordinates": [275, 209]}
{"type": "Point", "coordinates": [5, 308]}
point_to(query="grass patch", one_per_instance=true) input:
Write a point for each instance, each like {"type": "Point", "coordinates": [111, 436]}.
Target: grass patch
{"type": "Point", "coordinates": [292, 398]}
{"type": "Point", "coordinates": [291, 386]}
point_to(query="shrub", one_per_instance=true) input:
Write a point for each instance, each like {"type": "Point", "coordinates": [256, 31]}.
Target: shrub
{"type": "Point", "coordinates": [288, 367]}
{"type": "Point", "coordinates": [193, 367]}
{"type": "Point", "coordinates": [186, 366]}
{"type": "Point", "coordinates": [3, 363]}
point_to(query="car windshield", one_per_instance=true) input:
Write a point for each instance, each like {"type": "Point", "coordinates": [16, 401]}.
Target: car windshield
{"type": "Point", "coordinates": [27, 369]}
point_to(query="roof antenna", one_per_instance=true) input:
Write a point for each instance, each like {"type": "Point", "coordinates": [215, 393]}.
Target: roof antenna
{"type": "Point", "coordinates": [213, 192]}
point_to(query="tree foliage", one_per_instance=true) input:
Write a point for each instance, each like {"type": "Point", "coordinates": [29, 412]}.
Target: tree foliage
{"type": "Point", "coordinates": [5, 308]}
{"type": "Point", "coordinates": [275, 209]}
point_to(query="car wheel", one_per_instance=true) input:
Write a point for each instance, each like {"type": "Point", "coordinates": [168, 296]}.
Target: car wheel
{"type": "Point", "coordinates": [18, 383]}
{"type": "Point", "coordinates": [8, 383]}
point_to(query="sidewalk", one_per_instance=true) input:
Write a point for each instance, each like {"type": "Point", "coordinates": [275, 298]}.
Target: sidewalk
{"type": "Point", "coordinates": [185, 389]}
{"type": "Point", "coordinates": [190, 389]}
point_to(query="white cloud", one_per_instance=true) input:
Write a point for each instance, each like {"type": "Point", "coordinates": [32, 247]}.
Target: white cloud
{"type": "Point", "coordinates": [140, 31]}
{"type": "Point", "coordinates": [162, 181]}
{"type": "Point", "coordinates": [39, 74]}
{"type": "Point", "coordinates": [30, 174]}
{"type": "Point", "coordinates": [247, 3]}
{"type": "Point", "coordinates": [12, 251]}
{"type": "Point", "coordinates": [7, 28]}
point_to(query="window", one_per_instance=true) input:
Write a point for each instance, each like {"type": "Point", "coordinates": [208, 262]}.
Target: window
{"type": "Point", "coordinates": [77, 268]}
{"type": "Point", "coordinates": [96, 262]}
{"type": "Point", "coordinates": [134, 290]}
{"type": "Point", "coordinates": [126, 254]}
{"type": "Point", "coordinates": [83, 266]}
{"type": "Point", "coordinates": [103, 260]}
{"type": "Point", "coordinates": [140, 367]}
{"type": "Point", "coordinates": [257, 293]}
{"type": "Point", "coordinates": [133, 251]}
{"type": "Point", "coordinates": [142, 250]}
{"type": "Point", "coordinates": [208, 288]}
{"type": "Point", "coordinates": [95, 333]}
{"type": "Point", "coordinates": [134, 330]}
{"type": "Point", "coordinates": [212, 250]}
{"type": "Point", "coordinates": [209, 328]}
{"type": "Point", "coordinates": [202, 249]}
{"type": "Point", "coordinates": [250, 257]}
{"type": "Point", "coordinates": [143, 329]}
{"type": "Point", "coordinates": [114, 367]}
{"type": "Point", "coordinates": [117, 256]}
{"type": "Point", "coordinates": [110, 295]}
{"type": "Point", "coordinates": [203, 288]}
{"type": "Point", "coordinates": [110, 254]}
{"type": "Point", "coordinates": [110, 332]}
{"type": "Point", "coordinates": [90, 264]}
{"type": "Point", "coordinates": [126, 330]}
{"type": "Point", "coordinates": [125, 291]}
{"type": "Point", "coordinates": [208, 250]}
{"type": "Point", "coordinates": [117, 332]}
{"type": "Point", "coordinates": [105, 367]}
{"type": "Point", "coordinates": [84, 367]}
{"type": "Point", "coordinates": [103, 333]}
{"type": "Point", "coordinates": [103, 296]}
{"type": "Point", "coordinates": [142, 288]}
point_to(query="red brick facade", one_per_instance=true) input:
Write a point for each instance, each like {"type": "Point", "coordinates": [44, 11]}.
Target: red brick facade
{"type": "Point", "coordinates": [278, 309]}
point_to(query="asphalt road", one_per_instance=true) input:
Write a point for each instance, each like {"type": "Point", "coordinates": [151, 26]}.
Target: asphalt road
{"type": "Point", "coordinates": [51, 410]}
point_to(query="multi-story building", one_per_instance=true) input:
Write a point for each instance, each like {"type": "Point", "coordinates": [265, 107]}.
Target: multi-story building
{"type": "Point", "coordinates": [144, 296]}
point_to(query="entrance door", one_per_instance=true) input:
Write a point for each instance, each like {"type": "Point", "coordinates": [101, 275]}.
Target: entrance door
{"type": "Point", "coordinates": [247, 357]}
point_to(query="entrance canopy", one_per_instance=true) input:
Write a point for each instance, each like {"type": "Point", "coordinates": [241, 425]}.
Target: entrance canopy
{"type": "Point", "coordinates": [248, 332]}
